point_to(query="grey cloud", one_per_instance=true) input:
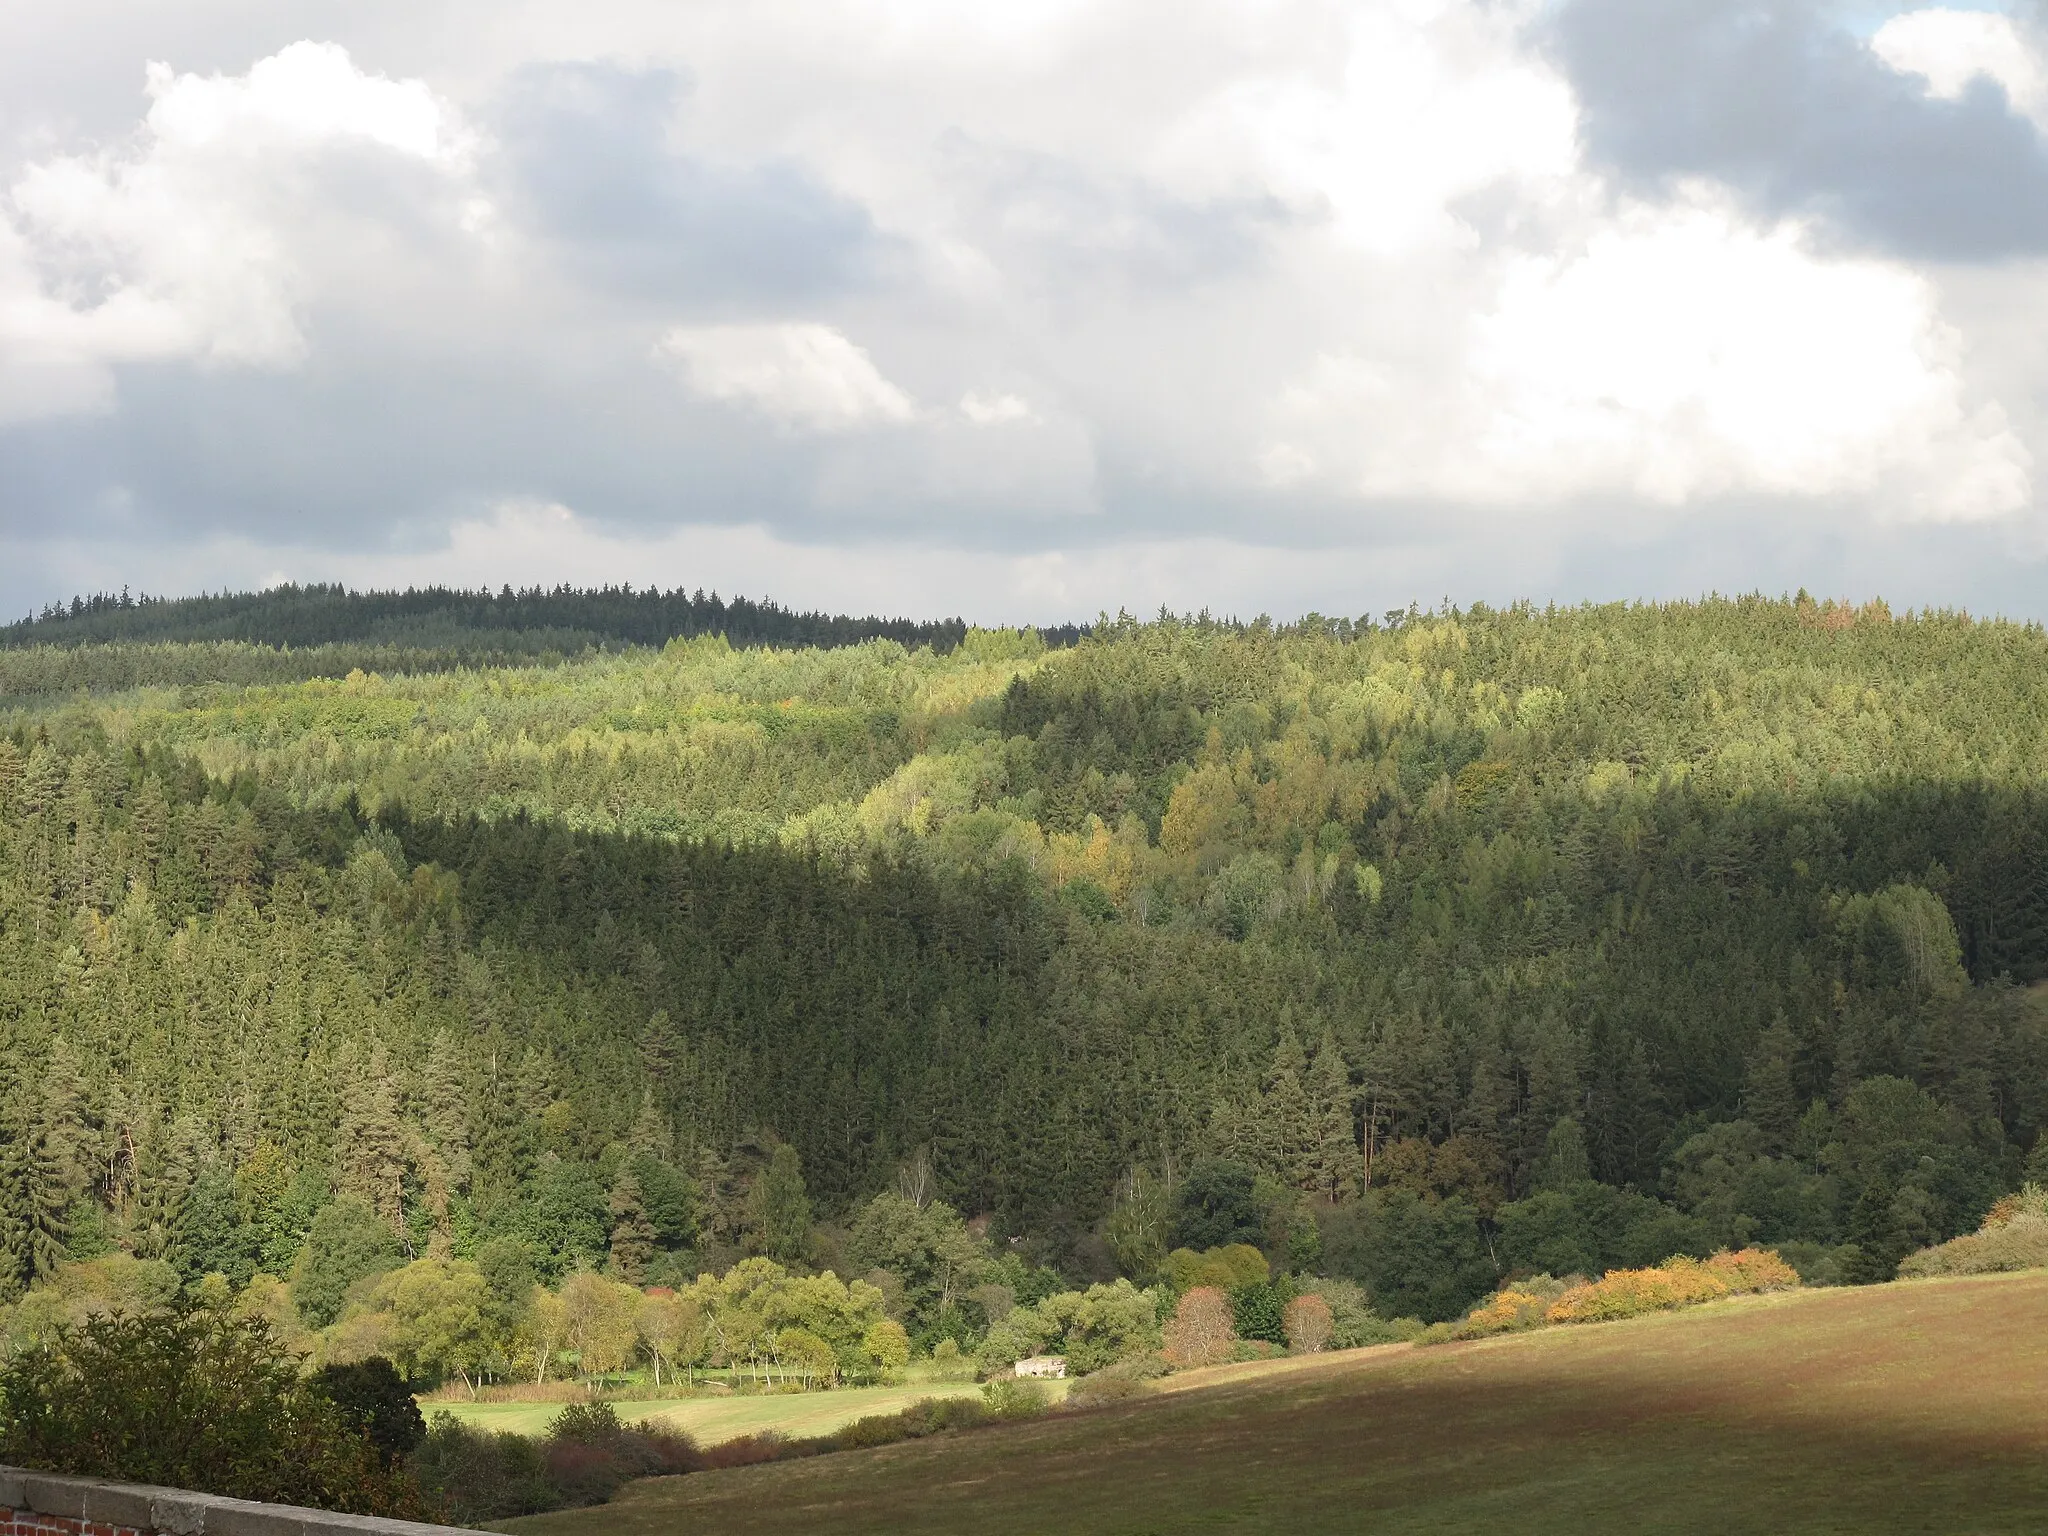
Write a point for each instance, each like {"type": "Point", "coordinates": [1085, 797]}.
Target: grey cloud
{"type": "Point", "coordinates": [591, 166]}
{"type": "Point", "coordinates": [1067, 223]}
{"type": "Point", "coordinates": [1799, 117]}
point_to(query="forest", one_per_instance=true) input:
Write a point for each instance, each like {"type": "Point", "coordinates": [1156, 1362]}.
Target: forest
{"type": "Point", "coordinates": [1417, 951]}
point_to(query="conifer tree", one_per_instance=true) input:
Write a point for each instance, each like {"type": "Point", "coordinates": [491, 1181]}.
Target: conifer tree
{"type": "Point", "coordinates": [1769, 1098]}
{"type": "Point", "coordinates": [442, 1114]}
{"type": "Point", "coordinates": [371, 1136]}
{"type": "Point", "coordinates": [779, 1209]}
{"type": "Point", "coordinates": [632, 1242]}
{"type": "Point", "coordinates": [1288, 1132]}
{"type": "Point", "coordinates": [1333, 1165]}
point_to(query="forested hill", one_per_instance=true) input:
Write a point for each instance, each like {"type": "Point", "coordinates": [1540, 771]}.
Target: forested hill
{"type": "Point", "coordinates": [1477, 941]}
{"type": "Point", "coordinates": [561, 619]}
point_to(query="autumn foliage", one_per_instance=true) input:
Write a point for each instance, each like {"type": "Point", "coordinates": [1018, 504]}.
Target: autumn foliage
{"type": "Point", "coordinates": [1308, 1323]}
{"type": "Point", "coordinates": [1677, 1282]}
{"type": "Point", "coordinates": [1201, 1332]}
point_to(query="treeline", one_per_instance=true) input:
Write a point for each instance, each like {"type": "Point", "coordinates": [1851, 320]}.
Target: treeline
{"type": "Point", "coordinates": [1480, 942]}
{"type": "Point", "coordinates": [560, 619]}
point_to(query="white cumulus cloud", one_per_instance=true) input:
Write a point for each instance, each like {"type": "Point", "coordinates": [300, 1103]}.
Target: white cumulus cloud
{"type": "Point", "coordinates": [183, 242]}
{"type": "Point", "coordinates": [1678, 355]}
{"type": "Point", "coordinates": [799, 373]}
{"type": "Point", "coordinates": [1953, 49]}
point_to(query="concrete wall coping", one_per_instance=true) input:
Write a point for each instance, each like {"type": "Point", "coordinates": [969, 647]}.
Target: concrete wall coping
{"type": "Point", "coordinates": [179, 1512]}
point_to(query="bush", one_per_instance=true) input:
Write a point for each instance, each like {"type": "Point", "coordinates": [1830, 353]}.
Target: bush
{"type": "Point", "coordinates": [589, 1454]}
{"type": "Point", "coordinates": [1308, 1323]}
{"type": "Point", "coordinates": [1513, 1308]}
{"type": "Point", "coordinates": [194, 1399]}
{"type": "Point", "coordinates": [1259, 1312]}
{"type": "Point", "coordinates": [1353, 1323]}
{"type": "Point", "coordinates": [1677, 1282]}
{"type": "Point", "coordinates": [474, 1475]}
{"type": "Point", "coordinates": [928, 1416]}
{"type": "Point", "coordinates": [371, 1395]}
{"type": "Point", "coordinates": [1202, 1329]}
{"type": "Point", "coordinates": [2018, 1243]}
{"type": "Point", "coordinates": [1093, 1391]}
{"type": "Point", "coordinates": [1012, 1397]}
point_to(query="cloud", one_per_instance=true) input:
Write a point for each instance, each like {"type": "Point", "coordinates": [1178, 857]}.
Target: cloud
{"type": "Point", "coordinates": [1953, 50]}
{"type": "Point", "coordinates": [986, 410]}
{"type": "Point", "coordinates": [1799, 117]}
{"type": "Point", "coordinates": [1679, 355]}
{"type": "Point", "coordinates": [178, 244]}
{"type": "Point", "coordinates": [800, 374]}
{"type": "Point", "coordinates": [1475, 294]}
{"type": "Point", "coordinates": [593, 164]}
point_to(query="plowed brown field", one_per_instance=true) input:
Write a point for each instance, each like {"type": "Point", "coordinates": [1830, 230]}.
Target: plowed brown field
{"type": "Point", "coordinates": [1918, 1406]}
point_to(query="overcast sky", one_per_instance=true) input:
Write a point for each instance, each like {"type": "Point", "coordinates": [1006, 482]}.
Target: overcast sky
{"type": "Point", "coordinates": [1027, 308]}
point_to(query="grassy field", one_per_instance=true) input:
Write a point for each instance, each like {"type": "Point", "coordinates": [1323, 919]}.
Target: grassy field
{"type": "Point", "coordinates": [712, 1419]}
{"type": "Point", "coordinates": [1921, 1406]}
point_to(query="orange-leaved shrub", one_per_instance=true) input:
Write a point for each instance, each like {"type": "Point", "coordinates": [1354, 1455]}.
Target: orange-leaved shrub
{"type": "Point", "coordinates": [1202, 1331]}
{"type": "Point", "coordinates": [1677, 1282]}
{"type": "Point", "coordinates": [1308, 1322]}
{"type": "Point", "coordinates": [1512, 1308]}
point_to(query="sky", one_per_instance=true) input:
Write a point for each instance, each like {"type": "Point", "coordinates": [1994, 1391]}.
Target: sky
{"type": "Point", "coordinates": [1028, 309]}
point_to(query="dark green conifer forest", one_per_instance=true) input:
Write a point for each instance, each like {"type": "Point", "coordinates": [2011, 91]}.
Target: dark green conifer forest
{"type": "Point", "coordinates": [1467, 943]}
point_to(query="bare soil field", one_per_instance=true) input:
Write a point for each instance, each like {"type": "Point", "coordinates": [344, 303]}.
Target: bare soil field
{"type": "Point", "coordinates": [1914, 1407]}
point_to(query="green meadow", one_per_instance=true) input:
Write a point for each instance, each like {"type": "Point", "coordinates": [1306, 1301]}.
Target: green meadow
{"type": "Point", "coordinates": [710, 1420]}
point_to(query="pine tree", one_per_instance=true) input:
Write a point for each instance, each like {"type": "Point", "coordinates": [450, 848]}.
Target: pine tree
{"type": "Point", "coordinates": [371, 1150]}
{"type": "Point", "coordinates": [1289, 1135]}
{"type": "Point", "coordinates": [651, 1135]}
{"type": "Point", "coordinates": [1333, 1166]}
{"type": "Point", "coordinates": [165, 1162]}
{"type": "Point", "coordinates": [45, 1201]}
{"type": "Point", "coordinates": [1769, 1098]}
{"type": "Point", "coordinates": [443, 1115]}
{"type": "Point", "coordinates": [779, 1209]}
{"type": "Point", "coordinates": [1565, 1162]}
{"type": "Point", "coordinates": [632, 1242]}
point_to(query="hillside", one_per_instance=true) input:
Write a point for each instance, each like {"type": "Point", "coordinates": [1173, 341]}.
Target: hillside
{"type": "Point", "coordinates": [1911, 1407]}
{"type": "Point", "coordinates": [1476, 941]}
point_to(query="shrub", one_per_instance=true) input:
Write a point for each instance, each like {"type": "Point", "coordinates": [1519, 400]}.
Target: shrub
{"type": "Point", "coordinates": [1353, 1323]}
{"type": "Point", "coordinates": [1748, 1271]}
{"type": "Point", "coordinates": [194, 1399]}
{"type": "Point", "coordinates": [2018, 1242]}
{"type": "Point", "coordinates": [1308, 1323]}
{"type": "Point", "coordinates": [1512, 1309]}
{"type": "Point", "coordinates": [1012, 1397]}
{"type": "Point", "coordinates": [1202, 1329]}
{"type": "Point", "coordinates": [474, 1475]}
{"type": "Point", "coordinates": [589, 1454]}
{"type": "Point", "coordinates": [372, 1395]}
{"type": "Point", "coordinates": [747, 1451]}
{"type": "Point", "coordinates": [1092, 1391]}
{"type": "Point", "coordinates": [1259, 1312]}
{"type": "Point", "coordinates": [928, 1416]}
{"type": "Point", "coordinates": [1677, 1282]}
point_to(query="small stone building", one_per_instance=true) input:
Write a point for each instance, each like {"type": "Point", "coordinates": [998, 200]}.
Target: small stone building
{"type": "Point", "coordinates": [1043, 1365]}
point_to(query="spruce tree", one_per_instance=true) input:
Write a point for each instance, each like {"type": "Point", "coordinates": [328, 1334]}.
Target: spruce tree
{"type": "Point", "coordinates": [779, 1209]}
{"type": "Point", "coordinates": [1289, 1136]}
{"type": "Point", "coordinates": [1769, 1098]}
{"type": "Point", "coordinates": [1333, 1166]}
{"type": "Point", "coordinates": [632, 1243]}
{"type": "Point", "coordinates": [371, 1150]}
